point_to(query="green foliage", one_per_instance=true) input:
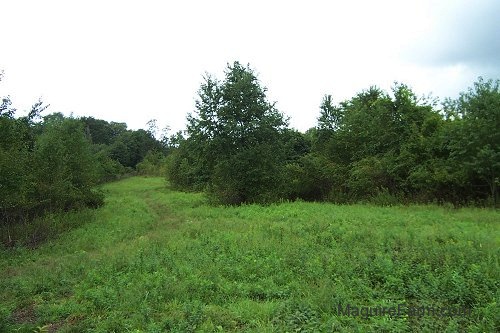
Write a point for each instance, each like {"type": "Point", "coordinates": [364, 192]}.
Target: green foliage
{"type": "Point", "coordinates": [185, 168]}
{"type": "Point", "coordinates": [154, 260]}
{"type": "Point", "coordinates": [102, 132]}
{"type": "Point", "coordinates": [233, 146]}
{"type": "Point", "coordinates": [50, 164]}
{"type": "Point", "coordinates": [377, 146]}
{"type": "Point", "coordinates": [312, 177]}
{"type": "Point", "coordinates": [14, 164]}
{"type": "Point", "coordinates": [45, 167]}
{"type": "Point", "coordinates": [130, 147]}
{"type": "Point", "coordinates": [330, 118]}
{"type": "Point", "coordinates": [295, 145]}
{"type": "Point", "coordinates": [367, 177]}
{"type": "Point", "coordinates": [120, 150]}
{"type": "Point", "coordinates": [295, 316]}
{"type": "Point", "coordinates": [251, 174]}
{"type": "Point", "coordinates": [477, 143]}
{"type": "Point", "coordinates": [66, 170]}
{"type": "Point", "coordinates": [108, 169]}
{"type": "Point", "coordinates": [402, 147]}
{"type": "Point", "coordinates": [153, 164]}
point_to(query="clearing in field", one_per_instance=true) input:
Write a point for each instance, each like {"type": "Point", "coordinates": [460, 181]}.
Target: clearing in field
{"type": "Point", "coordinates": [157, 260]}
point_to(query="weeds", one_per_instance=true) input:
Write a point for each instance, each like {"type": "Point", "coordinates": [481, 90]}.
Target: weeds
{"type": "Point", "coordinates": [155, 260]}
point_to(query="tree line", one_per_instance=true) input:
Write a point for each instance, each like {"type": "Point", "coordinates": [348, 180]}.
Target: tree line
{"type": "Point", "coordinates": [382, 147]}
{"type": "Point", "coordinates": [53, 163]}
{"type": "Point", "coordinates": [379, 147]}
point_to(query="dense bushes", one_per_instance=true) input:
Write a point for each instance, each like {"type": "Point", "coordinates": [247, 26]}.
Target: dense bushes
{"type": "Point", "coordinates": [234, 147]}
{"type": "Point", "coordinates": [153, 164]}
{"type": "Point", "coordinates": [45, 166]}
{"type": "Point", "coordinates": [52, 163]}
{"type": "Point", "coordinates": [115, 143]}
{"type": "Point", "coordinates": [66, 171]}
{"type": "Point", "coordinates": [376, 146]}
{"type": "Point", "coordinates": [401, 148]}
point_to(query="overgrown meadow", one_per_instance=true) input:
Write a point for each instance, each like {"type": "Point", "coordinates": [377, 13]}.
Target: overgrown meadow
{"type": "Point", "coordinates": [156, 260]}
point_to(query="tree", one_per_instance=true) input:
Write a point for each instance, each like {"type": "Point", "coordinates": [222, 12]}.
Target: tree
{"type": "Point", "coordinates": [66, 170]}
{"type": "Point", "coordinates": [381, 139]}
{"type": "Point", "coordinates": [17, 141]}
{"type": "Point", "coordinates": [330, 118]}
{"type": "Point", "coordinates": [153, 164]}
{"type": "Point", "coordinates": [234, 139]}
{"type": "Point", "coordinates": [477, 146]}
{"type": "Point", "coordinates": [100, 131]}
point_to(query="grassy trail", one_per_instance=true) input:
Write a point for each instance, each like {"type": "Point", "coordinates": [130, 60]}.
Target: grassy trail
{"type": "Point", "coordinates": [156, 260]}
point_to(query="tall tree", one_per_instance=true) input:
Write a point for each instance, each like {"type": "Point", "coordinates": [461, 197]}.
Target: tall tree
{"type": "Point", "coordinates": [66, 170]}
{"type": "Point", "coordinates": [330, 118]}
{"type": "Point", "coordinates": [234, 138]}
{"type": "Point", "coordinates": [478, 142]}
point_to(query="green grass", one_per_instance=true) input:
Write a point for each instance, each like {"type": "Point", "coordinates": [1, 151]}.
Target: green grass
{"type": "Point", "coordinates": [156, 260]}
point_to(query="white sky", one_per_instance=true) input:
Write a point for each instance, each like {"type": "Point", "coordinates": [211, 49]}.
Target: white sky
{"type": "Point", "coordinates": [131, 61]}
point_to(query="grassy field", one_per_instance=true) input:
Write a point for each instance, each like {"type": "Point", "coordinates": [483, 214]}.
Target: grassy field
{"type": "Point", "coordinates": [156, 260]}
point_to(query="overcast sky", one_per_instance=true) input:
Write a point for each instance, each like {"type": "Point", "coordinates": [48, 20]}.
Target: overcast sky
{"type": "Point", "coordinates": [132, 61]}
